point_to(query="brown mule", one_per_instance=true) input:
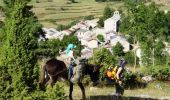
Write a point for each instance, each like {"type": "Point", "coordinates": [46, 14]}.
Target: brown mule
{"type": "Point", "coordinates": [55, 69]}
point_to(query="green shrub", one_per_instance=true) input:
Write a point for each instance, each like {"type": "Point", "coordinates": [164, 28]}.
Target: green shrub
{"type": "Point", "coordinates": [130, 58]}
{"type": "Point", "coordinates": [103, 57]}
{"type": "Point", "coordinates": [89, 17]}
{"type": "Point", "coordinates": [55, 93]}
{"type": "Point", "coordinates": [100, 38]}
{"type": "Point", "coordinates": [133, 80]}
{"type": "Point", "coordinates": [50, 0]}
{"type": "Point", "coordinates": [63, 27]}
{"type": "Point", "coordinates": [37, 1]}
{"type": "Point", "coordinates": [158, 72]}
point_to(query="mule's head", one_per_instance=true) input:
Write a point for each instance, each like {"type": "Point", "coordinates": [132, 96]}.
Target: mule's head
{"type": "Point", "coordinates": [89, 69]}
{"type": "Point", "coordinates": [94, 72]}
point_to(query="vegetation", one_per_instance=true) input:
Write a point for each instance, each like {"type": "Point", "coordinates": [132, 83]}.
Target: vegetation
{"type": "Point", "coordinates": [145, 25]}
{"type": "Point", "coordinates": [118, 50]}
{"type": "Point", "coordinates": [103, 57]}
{"type": "Point", "coordinates": [89, 17]}
{"type": "Point", "coordinates": [108, 12]}
{"type": "Point", "coordinates": [106, 0]}
{"type": "Point", "coordinates": [100, 38]}
{"type": "Point", "coordinates": [64, 27]}
{"type": "Point", "coordinates": [51, 48]}
{"type": "Point", "coordinates": [72, 11]}
{"type": "Point", "coordinates": [18, 60]}
{"type": "Point", "coordinates": [149, 31]}
{"type": "Point", "coordinates": [19, 70]}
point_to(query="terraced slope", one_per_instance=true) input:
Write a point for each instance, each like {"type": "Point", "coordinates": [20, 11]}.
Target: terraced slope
{"type": "Point", "coordinates": [62, 12]}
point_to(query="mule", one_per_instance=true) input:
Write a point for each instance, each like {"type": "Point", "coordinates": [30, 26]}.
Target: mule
{"type": "Point", "coordinates": [56, 69]}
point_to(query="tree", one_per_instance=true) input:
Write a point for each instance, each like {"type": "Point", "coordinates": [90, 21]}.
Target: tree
{"type": "Point", "coordinates": [1, 24]}
{"type": "Point", "coordinates": [19, 70]}
{"type": "Point", "coordinates": [49, 48]}
{"type": "Point", "coordinates": [101, 22]}
{"type": "Point", "coordinates": [118, 50]}
{"type": "Point", "coordinates": [100, 38]}
{"type": "Point", "coordinates": [74, 40]}
{"type": "Point", "coordinates": [146, 29]}
{"type": "Point", "coordinates": [106, 14]}
{"type": "Point", "coordinates": [103, 57]}
{"type": "Point", "coordinates": [168, 24]}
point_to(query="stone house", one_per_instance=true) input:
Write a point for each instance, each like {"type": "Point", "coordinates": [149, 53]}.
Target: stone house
{"type": "Point", "coordinates": [115, 39]}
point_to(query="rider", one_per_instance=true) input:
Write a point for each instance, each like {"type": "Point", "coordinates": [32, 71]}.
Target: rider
{"type": "Point", "coordinates": [71, 58]}
{"type": "Point", "coordinates": [119, 76]}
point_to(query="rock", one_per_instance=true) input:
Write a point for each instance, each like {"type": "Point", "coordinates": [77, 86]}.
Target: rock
{"type": "Point", "coordinates": [158, 86]}
{"type": "Point", "coordinates": [148, 78]}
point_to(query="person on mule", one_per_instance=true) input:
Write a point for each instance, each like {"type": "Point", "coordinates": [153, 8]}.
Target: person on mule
{"type": "Point", "coordinates": [71, 59]}
{"type": "Point", "coordinates": [119, 77]}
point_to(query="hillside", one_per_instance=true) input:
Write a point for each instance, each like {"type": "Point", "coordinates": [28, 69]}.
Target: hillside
{"type": "Point", "coordinates": [63, 12]}
{"type": "Point", "coordinates": [54, 12]}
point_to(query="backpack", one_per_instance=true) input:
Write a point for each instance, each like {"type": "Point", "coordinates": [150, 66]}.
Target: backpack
{"type": "Point", "coordinates": [112, 73]}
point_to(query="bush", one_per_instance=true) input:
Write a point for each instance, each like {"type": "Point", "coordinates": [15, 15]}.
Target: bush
{"type": "Point", "coordinates": [50, 0]}
{"type": "Point", "coordinates": [100, 38]}
{"type": "Point", "coordinates": [63, 27]}
{"type": "Point", "coordinates": [130, 58]}
{"type": "Point", "coordinates": [89, 17]}
{"type": "Point", "coordinates": [101, 22]}
{"type": "Point", "coordinates": [55, 93]}
{"type": "Point", "coordinates": [133, 80]}
{"type": "Point", "coordinates": [104, 57]}
{"type": "Point", "coordinates": [159, 72]}
{"type": "Point", "coordinates": [1, 24]}
{"type": "Point", "coordinates": [37, 1]}
{"type": "Point", "coordinates": [100, 0]}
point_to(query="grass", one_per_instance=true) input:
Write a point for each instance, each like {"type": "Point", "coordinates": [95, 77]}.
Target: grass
{"type": "Point", "coordinates": [151, 90]}
{"type": "Point", "coordinates": [64, 13]}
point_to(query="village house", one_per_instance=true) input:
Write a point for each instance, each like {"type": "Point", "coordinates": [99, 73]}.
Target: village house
{"type": "Point", "coordinates": [99, 31]}
{"type": "Point", "coordinates": [91, 23]}
{"type": "Point", "coordinates": [111, 24]}
{"type": "Point", "coordinates": [51, 33]}
{"type": "Point", "coordinates": [92, 43]}
{"type": "Point", "coordinates": [89, 42]}
{"type": "Point", "coordinates": [82, 33]}
{"type": "Point", "coordinates": [68, 32]}
{"type": "Point", "coordinates": [115, 39]}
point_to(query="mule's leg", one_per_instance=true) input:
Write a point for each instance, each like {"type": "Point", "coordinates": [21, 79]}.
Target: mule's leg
{"type": "Point", "coordinates": [70, 91]}
{"type": "Point", "coordinates": [52, 81]}
{"type": "Point", "coordinates": [82, 90]}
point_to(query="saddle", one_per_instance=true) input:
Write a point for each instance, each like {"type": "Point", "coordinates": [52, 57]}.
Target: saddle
{"type": "Point", "coordinates": [78, 71]}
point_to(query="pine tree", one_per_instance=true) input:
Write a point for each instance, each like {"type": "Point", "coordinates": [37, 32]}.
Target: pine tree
{"type": "Point", "coordinates": [18, 59]}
